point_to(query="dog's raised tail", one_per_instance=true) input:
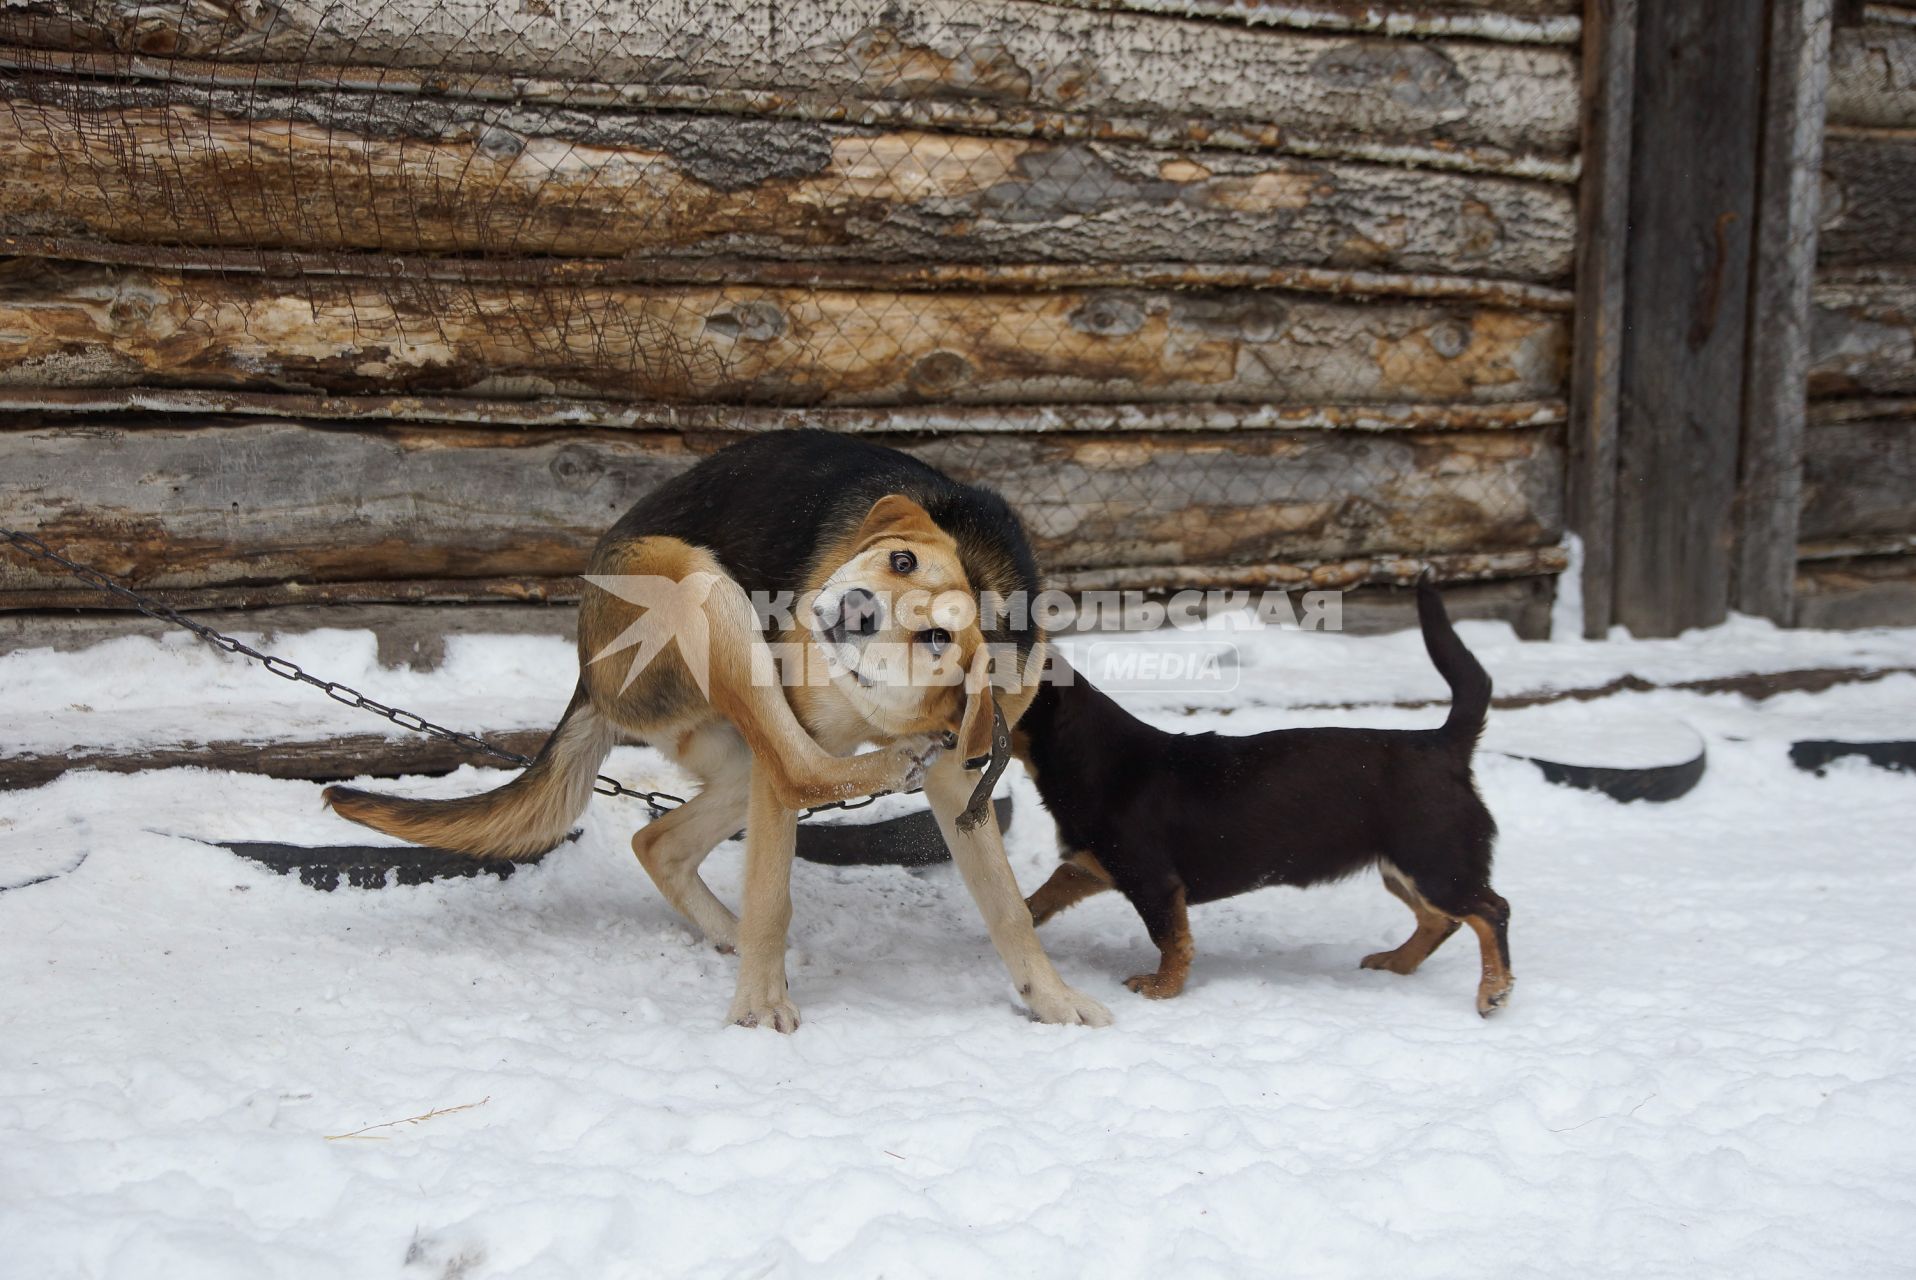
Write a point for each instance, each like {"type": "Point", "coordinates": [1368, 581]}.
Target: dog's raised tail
{"type": "Point", "coordinates": [1469, 682]}
{"type": "Point", "coordinates": [528, 815]}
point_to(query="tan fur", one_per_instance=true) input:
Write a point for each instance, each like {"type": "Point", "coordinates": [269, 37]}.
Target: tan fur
{"type": "Point", "coordinates": [1175, 951]}
{"type": "Point", "coordinates": [762, 752]}
{"type": "Point", "coordinates": [1079, 877]}
{"type": "Point", "coordinates": [1433, 929]}
{"type": "Point", "coordinates": [528, 815]}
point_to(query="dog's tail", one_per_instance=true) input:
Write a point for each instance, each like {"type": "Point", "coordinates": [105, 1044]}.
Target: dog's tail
{"type": "Point", "coordinates": [528, 815]}
{"type": "Point", "coordinates": [1469, 682]}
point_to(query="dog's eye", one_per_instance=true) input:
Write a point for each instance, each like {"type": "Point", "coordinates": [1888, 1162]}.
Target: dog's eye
{"type": "Point", "coordinates": [937, 640]}
{"type": "Point", "coordinates": [903, 562]}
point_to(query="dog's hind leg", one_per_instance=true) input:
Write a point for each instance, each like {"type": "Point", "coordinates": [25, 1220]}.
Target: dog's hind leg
{"type": "Point", "coordinates": [1433, 928]}
{"type": "Point", "coordinates": [762, 998]}
{"type": "Point", "coordinates": [1170, 927]}
{"type": "Point", "coordinates": [1445, 905]}
{"type": "Point", "coordinates": [671, 847]}
{"type": "Point", "coordinates": [1079, 878]}
{"type": "Point", "coordinates": [1489, 919]}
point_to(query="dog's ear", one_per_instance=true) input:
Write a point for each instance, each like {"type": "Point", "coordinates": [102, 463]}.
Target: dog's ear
{"type": "Point", "coordinates": [974, 730]}
{"type": "Point", "coordinates": [891, 515]}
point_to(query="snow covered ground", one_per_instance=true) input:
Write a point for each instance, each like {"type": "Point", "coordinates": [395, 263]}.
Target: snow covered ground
{"type": "Point", "coordinates": [1708, 1066]}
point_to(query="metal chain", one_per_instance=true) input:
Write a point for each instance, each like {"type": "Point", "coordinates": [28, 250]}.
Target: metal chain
{"type": "Point", "coordinates": [287, 669]}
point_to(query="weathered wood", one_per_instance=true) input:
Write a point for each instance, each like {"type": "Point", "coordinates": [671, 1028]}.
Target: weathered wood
{"type": "Point", "coordinates": [414, 636]}
{"type": "Point", "coordinates": [321, 170]}
{"type": "Point", "coordinates": [1776, 361]}
{"type": "Point", "coordinates": [1518, 21]}
{"type": "Point", "coordinates": [1873, 76]}
{"type": "Point", "coordinates": [1339, 575]}
{"type": "Point", "coordinates": [330, 759]}
{"type": "Point", "coordinates": [950, 115]}
{"type": "Point", "coordinates": [85, 326]}
{"type": "Point", "coordinates": [1873, 592]}
{"type": "Point", "coordinates": [1609, 76]}
{"type": "Point", "coordinates": [1868, 191]}
{"type": "Point", "coordinates": [1861, 544]}
{"type": "Point", "coordinates": [1696, 131]}
{"type": "Point", "coordinates": [256, 502]}
{"type": "Point", "coordinates": [1861, 410]}
{"type": "Point", "coordinates": [478, 595]}
{"type": "Point", "coordinates": [48, 403]}
{"type": "Point", "coordinates": [1864, 335]}
{"type": "Point", "coordinates": [61, 594]}
{"type": "Point", "coordinates": [840, 274]}
{"type": "Point", "coordinates": [1026, 55]}
{"type": "Point", "coordinates": [1859, 478]}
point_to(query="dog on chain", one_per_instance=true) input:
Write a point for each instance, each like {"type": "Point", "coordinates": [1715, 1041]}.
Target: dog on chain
{"type": "Point", "coordinates": [881, 554]}
{"type": "Point", "coordinates": [1171, 820]}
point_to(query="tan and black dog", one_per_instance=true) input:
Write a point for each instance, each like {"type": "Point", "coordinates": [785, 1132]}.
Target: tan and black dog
{"type": "Point", "coordinates": [1171, 820]}
{"type": "Point", "coordinates": [872, 548]}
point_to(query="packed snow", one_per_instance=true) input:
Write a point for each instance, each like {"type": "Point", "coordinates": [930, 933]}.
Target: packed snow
{"type": "Point", "coordinates": [1708, 1066]}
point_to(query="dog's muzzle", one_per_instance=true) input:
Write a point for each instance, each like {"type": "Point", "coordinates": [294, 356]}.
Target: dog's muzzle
{"type": "Point", "coordinates": [856, 615]}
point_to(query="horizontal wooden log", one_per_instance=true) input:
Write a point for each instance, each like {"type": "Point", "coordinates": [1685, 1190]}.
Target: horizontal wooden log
{"type": "Point", "coordinates": [1518, 21]}
{"type": "Point", "coordinates": [1868, 191]}
{"type": "Point", "coordinates": [396, 269]}
{"type": "Point", "coordinates": [47, 403]}
{"type": "Point", "coordinates": [1339, 575]}
{"type": "Point", "coordinates": [414, 636]}
{"type": "Point", "coordinates": [1873, 75]}
{"type": "Point", "coordinates": [407, 635]}
{"type": "Point", "coordinates": [1863, 339]}
{"type": "Point", "coordinates": [1863, 410]}
{"type": "Point", "coordinates": [86, 326]}
{"type": "Point", "coordinates": [324, 170]}
{"type": "Point", "coordinates": [1872, 592]}
{"type": "Point", "coordinates": [1859, 478]}
{"type": "Point", "coordinates": [27, 614]}
{"type": "Point", "coordinates": [262, 502]}
{"type": "Point", "coordinates": [1021, 55]}
{"type": "Point", "coordinates": [1851, 546]}
{"type": "Point", "coordinates": [328, 759]}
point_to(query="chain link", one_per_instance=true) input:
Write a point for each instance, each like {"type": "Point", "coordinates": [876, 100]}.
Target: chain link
{"type": "Point", "coordinates": [286, 669]}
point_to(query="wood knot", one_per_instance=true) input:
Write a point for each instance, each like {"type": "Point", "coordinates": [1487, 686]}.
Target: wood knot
{"type": "Point", "coordinates": [501, 144]}
{"type": "Point", "coordinates": [575, 469]}
{"type": "Point", "coordinates": [748, 322]}
{"type": "Point", "coordinates": [940, 371]}
{"type": "Point", "coordinates": [1449, 338]}
{"type": "Point", "coordinates": [1109, 315]}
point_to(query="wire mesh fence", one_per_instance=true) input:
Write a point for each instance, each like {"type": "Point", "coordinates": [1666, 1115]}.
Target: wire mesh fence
{"type": "Point", "coordinates": [426, 290]}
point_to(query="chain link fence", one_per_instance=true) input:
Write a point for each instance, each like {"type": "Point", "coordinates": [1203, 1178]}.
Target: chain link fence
{"type": "Point", "coordinates": [411, 292]}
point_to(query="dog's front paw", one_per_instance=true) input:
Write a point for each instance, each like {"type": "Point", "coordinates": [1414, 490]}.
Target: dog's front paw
{"type": "Point", "coordinates": [1492, 995]}
{"type": "Point", "coordinates": [778, 1013]}
{"type": "Point", "coordinates": [1155, 986]}
{"type": "Point", "coordinates": [911, 759]}
{"type": "Point", "coordinates": [1070, 1008]}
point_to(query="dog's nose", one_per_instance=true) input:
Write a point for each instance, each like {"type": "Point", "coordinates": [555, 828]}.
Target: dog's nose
{"type": "Point", "coordinates": [858, 612]}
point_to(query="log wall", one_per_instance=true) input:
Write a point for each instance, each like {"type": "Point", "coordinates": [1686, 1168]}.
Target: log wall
{"type": "Point", "coordinates": [387, 301]}
{"type": "Point", "coordinates": [1858, 554]}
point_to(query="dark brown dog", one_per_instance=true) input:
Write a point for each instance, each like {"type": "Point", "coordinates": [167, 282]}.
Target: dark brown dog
{"type": "Point", "coordinates": [1171, 820]}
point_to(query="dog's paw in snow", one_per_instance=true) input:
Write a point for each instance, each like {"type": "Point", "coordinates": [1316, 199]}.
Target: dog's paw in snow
{"type": "Point", "coordinates": [1071, 1008]}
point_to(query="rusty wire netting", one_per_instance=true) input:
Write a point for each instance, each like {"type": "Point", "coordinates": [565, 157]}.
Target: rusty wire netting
{"type": "Point", "coordinates": [424, 291]}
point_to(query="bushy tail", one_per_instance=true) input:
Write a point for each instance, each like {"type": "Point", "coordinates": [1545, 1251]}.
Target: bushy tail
{"type": "Point", "coordinates": [528, 815]}
{"type": "Point", "coordinates": [1469, 682]}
